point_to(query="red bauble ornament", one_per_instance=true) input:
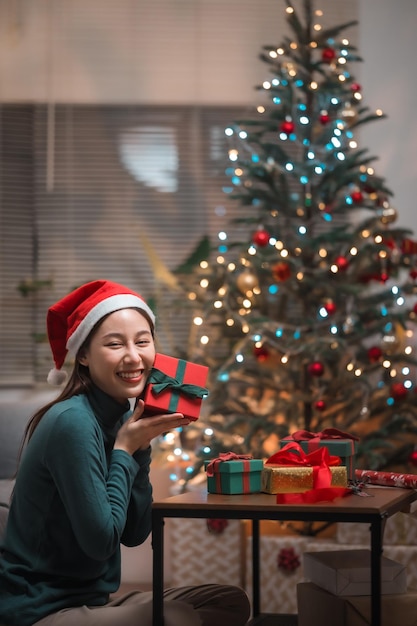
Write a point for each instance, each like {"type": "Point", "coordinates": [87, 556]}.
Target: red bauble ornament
{"type": "Point", "coordinates": [287, 127]}
{"type": "Point", "coordinates": [413, 273]}
{"type": "Point", "coordinates": [412, 459]}
{"type": "Point", "coordinates": [281, 272]}
{"type": "Point", "coordinates": [216, 526]}
{"type": "Point", "coordinates": [383, 277]}
{"type": "Point", "coordinates": [415, 309]}
{"type": "Point", "coordinates": [328, 54]}
{"type": "Point", "coordinates": [288, 560]}
{"type": "Point", "coordinates": [374, 354]}
{"type": "Point", "coordinates": [408, 246]}
{"type": "Point", "coordinates": [324, 118]}
{"type": "Point", "coordinates": [356, 87]}
{"type": "Point", "coordinates": [342, 263]}
{"type": "Point", "coordinates": [261, 237]}
{"type": "Point", "coordinates": [261, 353]}
{"type": "Point", "coordinates": [356, 196]}
{"type": "Point", "coordinates": [330, 307]}
{"type": "Point", "coordinates": [398, 391]}
{"type": "Point", "coordinates": [320, 405]}
{"type": "Point", "coordinates": [316, 368]}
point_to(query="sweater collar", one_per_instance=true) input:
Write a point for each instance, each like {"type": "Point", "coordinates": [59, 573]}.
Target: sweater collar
{"type": "Point", "coordinates": [106, 409]}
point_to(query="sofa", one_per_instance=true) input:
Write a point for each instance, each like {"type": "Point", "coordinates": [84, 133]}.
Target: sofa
{"type": "Point", "coordinates": [16, 408]}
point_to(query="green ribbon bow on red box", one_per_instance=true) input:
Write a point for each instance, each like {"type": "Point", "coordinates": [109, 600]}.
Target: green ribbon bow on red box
{"type": "Point", "coordinates": [161, 382]}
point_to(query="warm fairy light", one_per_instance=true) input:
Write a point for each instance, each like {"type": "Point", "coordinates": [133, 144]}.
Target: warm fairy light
{"type": "Point", "coordinates": [386, 363]}
{"type": "Point", "coordinates": [197, 321]}
{"type": "Point", "coordinates": [245, 328]}
{"type": "Point", "coordinates": [342, 78]}
{"type": "Point", "coordinates": [379, 112]}
{"type": "Point", "coordinates": [300, 212]}
{"type": "Point", "coordinates": [170, 438]}
{"type": "Point", "coordinates": [233, 154]}
{"type": "Point", "coordinates": [220, 259]}
{"type": "Point", "coordinates": [273, 54]}
{"type": "Point", "coordinates": [300, 275]}
{"type": "Point", "coordinates": [222, 291]}
{"type": "Point", "coordinates": [284, 359]}
{"type": "Point", "coordinates": [204, 283]}
{"type": "Point", "coordinates": [353, 144]}
{"type": "Point", "coordinates": [230, 322]}
{"type": "Point", "coordinates": [358, 372]}
{"type": "Point", "coordinates": [279, 245]}
{"type": "Point", "coordinates": [317, 27]}
{"type": "Point", "coordinates": [289, 10]}
{"type": "Point", "coordinates": [318, 12]}
{"type": "Point", "coordinates": [252, 250]}
{"type": "Point", "coordinates": [280, 51]}
{"type": "Point", "coordinates": [322, 253]}
{"type": "Point", "coordinates": [204, 340]}
{"type": "Point", "coordinates": [365, 234]}
{"type": "Point", "coordinates": [266, 84]}
{"type": "Point", "coordinates": [382, 254]}
{"type": "Point", "coordinates": [260, 109]}
{"type": "Point", "coordinates": [313, 85]}
{"type": "Point", "coordinates": [238, 171]}
{"type": "Point", "coordinates": [334, 269]}
{"type": "Point", "coordinates": [284, 253]}
{"type": "Point", "coordinates": [247, 303]}
{"type": "Point", "coordinates": [357, 96]}
{"type": "Point", "coordinates": [293, 45]}
{"type": "Point", "coordinates": [345, 42]}
{"type": "Point", "coordinates": [353, 251]}
{"type": "Point", "coordinates": [231, 267]}
{"type": "Point", "coordinates": [349, 367]}
{"type": "Point", "coordinates": [370, 171]}
{"type": "Point", "coordinates": [257, 291]}
{"type": "Point", "coordinates": [378, 239]}
{"type": "Point", "coordinates": [393, 373]}
{"type": "Point", "coordinates": [228, 131]}
{"type": "Point", "coordinates": [192, 296]}
{"type": "Point", "coordinates": [204, 265]}
{"type": "Point", "coordinates": [408, 350]}
{"type": "Point", "coordinates": [218, 304]}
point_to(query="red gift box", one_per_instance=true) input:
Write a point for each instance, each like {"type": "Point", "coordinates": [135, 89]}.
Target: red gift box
{"type": "Point", "coordinates": [175, 386]}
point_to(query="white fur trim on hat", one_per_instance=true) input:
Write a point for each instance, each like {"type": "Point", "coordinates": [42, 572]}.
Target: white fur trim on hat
{"type": "Point", "coordinates": [103, 308]}
{"type": "Point", "coordinates": [57, 377]}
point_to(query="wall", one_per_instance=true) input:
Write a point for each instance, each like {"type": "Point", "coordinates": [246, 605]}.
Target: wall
{"type": "Point", "coordinates": [388, 45]}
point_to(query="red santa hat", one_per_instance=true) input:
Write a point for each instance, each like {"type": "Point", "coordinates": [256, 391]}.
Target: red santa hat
{"type": "Point", "coordinates": [70, 320]}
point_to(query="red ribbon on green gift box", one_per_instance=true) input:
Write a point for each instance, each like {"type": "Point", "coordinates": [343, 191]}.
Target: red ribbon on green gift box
{"type": "Point", "coordinates": [327, 434]}
{"type": "Point", "coordinates": [230, 456]}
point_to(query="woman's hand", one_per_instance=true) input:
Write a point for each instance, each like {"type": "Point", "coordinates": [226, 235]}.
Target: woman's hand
{"type": "Point", "coordinates": [137, 432]}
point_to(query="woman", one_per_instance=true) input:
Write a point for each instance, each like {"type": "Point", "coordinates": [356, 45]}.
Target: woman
{"type": "Point", "coordinates": [83, 483]}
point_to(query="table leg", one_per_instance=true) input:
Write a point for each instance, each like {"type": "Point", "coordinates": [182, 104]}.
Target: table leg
{"type": "Point", "coordinates": [256, 601]}
{"type": "Point", "coordinates": [158, 568]}
{"type": "Point", "coordinates": [376, 551]}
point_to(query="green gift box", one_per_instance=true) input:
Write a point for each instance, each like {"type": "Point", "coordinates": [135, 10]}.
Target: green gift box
{"type": "Point", "coordinates": [230, 474]}
{"type": "Point", "coordinates": [337, 442]}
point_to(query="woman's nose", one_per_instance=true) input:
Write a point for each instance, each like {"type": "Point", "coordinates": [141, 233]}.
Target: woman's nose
{"type": "Point", "coordinates": [133, 353]}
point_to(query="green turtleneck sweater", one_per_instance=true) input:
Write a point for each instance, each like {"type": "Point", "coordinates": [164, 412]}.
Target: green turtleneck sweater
{"type": "Point", "coordinates": [76, 499]}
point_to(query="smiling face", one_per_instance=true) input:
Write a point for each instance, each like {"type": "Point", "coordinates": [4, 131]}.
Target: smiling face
{"type": "Point", "coordinates": [120, 354]}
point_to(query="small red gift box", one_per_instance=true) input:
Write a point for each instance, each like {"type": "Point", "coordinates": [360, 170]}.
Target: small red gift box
{"type": "Point", "coordinates": [175, 386]}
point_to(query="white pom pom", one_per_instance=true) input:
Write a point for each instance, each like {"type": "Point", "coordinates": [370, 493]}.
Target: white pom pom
{"type": "Point", "coordinates": [57, 377]}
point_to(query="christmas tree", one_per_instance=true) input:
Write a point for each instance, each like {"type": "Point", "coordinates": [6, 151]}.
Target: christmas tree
{"type": "Point", "coordinates": [305, 309]}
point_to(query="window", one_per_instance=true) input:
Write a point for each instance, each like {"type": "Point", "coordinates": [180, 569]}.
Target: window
{"type": "Point", "coordinates": [121, 192]}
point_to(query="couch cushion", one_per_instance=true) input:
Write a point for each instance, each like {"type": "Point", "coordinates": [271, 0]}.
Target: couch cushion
{"type": "Point", "coordinates": [16, 408]}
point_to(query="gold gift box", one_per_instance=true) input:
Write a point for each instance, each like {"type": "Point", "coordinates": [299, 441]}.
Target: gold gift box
{"type": "Point", "coordinates": [296, 479]}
